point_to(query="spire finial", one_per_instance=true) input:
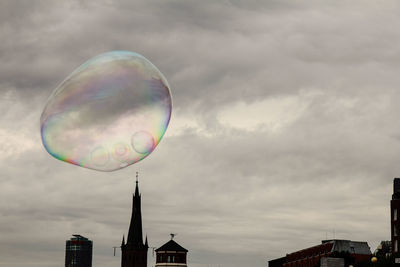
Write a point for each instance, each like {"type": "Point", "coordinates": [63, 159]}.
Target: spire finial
{"type": "Point", "coordinates": [172, 235]}
{"type": "Point", "coordinates": [137, 186]}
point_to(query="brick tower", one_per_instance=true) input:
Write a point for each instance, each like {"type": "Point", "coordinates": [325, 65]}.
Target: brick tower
{"type": "Point", "coordinates": [171, 254]}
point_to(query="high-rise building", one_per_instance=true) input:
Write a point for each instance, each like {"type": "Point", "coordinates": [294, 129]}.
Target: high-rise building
{"type": "Point", "coordinates": [78, 252]}
{"type": "Point", "coordinates": [394, 216]}
{"type": "Point", "coordinates": [171, 254]}
{"type": "Point", "coordinates": [134, 251]}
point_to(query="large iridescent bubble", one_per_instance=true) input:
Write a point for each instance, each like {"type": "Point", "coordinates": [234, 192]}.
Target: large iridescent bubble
{"type": "Point", "coordinates": [111, 112]}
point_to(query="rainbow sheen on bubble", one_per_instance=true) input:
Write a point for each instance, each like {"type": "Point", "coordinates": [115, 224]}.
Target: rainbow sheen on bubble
{"type": "Point", "coordinates": [109, 113]}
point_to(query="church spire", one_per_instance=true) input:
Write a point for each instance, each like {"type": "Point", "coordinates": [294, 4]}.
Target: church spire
{"type": "Point", "coordinates": [135, 234]}
{"type": "Point", "coordinates": [137, 186]}
{"type": "Point", "coordinates": [134, 252]}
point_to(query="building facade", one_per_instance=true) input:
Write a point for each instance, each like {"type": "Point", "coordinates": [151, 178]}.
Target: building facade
{"type": "Point", "coordinates": [394, 216]}
{"type": "Point", "coordinates": [134, 251]}
{"type": "Point", "coordinates": [332, 262]}
{"type": "Point", "coordinates": [384, 250]}
{"type": "Point", "coordinates": [171, 254]}
{"type": "Point", "coordinates": [78, 252]}
{"type": "Point", "coordinates": [277, 262]}
{"type": "Point", "coordinates": [352, 251]}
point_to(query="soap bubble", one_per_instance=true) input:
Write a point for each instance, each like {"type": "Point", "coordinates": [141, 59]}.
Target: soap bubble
{"type": "Point", "coordinates": [109, 113]}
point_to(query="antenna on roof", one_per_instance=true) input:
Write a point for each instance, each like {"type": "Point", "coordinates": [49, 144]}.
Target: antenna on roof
{"type": "Point", "coordinates": [173, 235]}
{"type": "Point", "coordinates": [115, 249]}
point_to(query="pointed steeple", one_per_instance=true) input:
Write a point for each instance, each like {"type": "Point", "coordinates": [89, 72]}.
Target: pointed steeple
{"type": "Point", "coordinates": [134, 251]}
{"type": "Point", "coordinates": [137, 186]}
{"type": "Point", "coordinates": [123, 241]}
{"type": "Point", "coordinates": [146, 244]}
{"type": "Point", "coordinates": [135, 234]}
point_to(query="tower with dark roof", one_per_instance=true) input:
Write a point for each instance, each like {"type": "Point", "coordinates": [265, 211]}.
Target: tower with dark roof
{"type": "Point", "coordinates": [134, 251]}
{"type": "Point", "coordinates": [171, 254]}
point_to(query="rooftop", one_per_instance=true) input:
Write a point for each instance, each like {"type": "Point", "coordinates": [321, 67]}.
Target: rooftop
{"type": "Point", "coordinates": [171, 246]}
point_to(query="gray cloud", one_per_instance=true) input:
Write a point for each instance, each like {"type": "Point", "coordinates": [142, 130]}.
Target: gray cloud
{"type": "Point", "coordinates": [284, 127]}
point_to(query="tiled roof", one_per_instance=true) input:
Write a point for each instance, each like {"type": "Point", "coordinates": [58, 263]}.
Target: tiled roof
{"type": "Point", "coordinates": [171, 246]}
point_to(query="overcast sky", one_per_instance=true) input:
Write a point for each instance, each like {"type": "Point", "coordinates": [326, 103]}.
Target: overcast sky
{"type": "Point", "coordinates": [285, 127]}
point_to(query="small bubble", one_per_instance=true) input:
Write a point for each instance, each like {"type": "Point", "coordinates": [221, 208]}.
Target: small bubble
{"type": "Point", "coordinates": [142, 142]}
{"type": "Point", "coordinates": [122, 152]}
{"type": "Point", "coordinates": [120, 149]}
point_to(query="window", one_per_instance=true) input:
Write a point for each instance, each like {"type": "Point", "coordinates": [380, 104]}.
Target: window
{"type": "Point", "coordinates": [395, 214]}
{"type": "Point", "coordinates": [395, 246]}
{"type": "Point", "coordinates": [394, 230]}
{"type": "Point", "coordinates": [75, 247]}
